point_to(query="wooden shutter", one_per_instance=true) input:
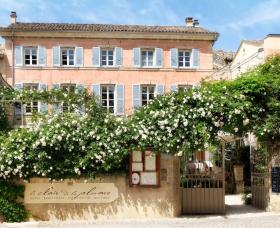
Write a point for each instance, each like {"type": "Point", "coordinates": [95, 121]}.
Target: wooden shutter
{"type": "Point", "coordinates": [196, 57]}
{"type": "Point", "coordinates": [79, 55]}
{"type": "Point", "coordinates": [120, 99]}
{"type": "Point", "coordinates": [41, 56]}
{"type": "Point", "coordinates": [159, 57]}
{"type": "Point", "coordinates": [159, 90]}
{"type": "Point", "coordinates": [96, 56]}
{"type": "Point", "coordinates": [174, 88]}
{"type": "Point", "coordinates": [18, 86]}
{"type": "Point", "coordinates": [42, 106]}
{"type": "Point", "coordinates": [18, 56]}
{"type": "Point", "coordinates": [56, 56]}
{"type": "Point", "coordinates": [119, 56]}
{"type": "Point", "coordinates": [137, 57]}
{"type": "Point", "coordinates": [174, 57]}
{"type": "Point", "coordinates": [57, 107]}
{"type": "Point", "coordinates": [96, 90]}
{"type": "Point", "coordinates": [136, 91]}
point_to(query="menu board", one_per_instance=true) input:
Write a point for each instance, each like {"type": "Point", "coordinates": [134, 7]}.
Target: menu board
{"type": "Point", "coordinates": [144, 168]}
{"type": "Point", "coordinates": [275, 179]}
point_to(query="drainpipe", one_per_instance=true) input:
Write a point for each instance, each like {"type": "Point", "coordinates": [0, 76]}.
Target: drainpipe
{"type": "Point", "coordinates": [13, 60]}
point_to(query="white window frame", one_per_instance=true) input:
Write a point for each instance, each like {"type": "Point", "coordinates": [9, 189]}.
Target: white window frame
{"type": "Point", "coordinates": [30, 49]}
{"type": "Point", "coordinates": [184, 62]}
{"type": "Point", "coordinates": [32, 106]}
{"type": "Point", "coordinates": [146, 50]}
{"type": "Point", "coordinates": [148, 99]}
{"type": "Point", "coordinates": [107, 57]}
{"type": "Point", "coordinates": [67, 49]}
{"type": "Point", "coordinates": [107, 106]}
{"type": "Point", "coordinates": [184, 86]}
{"type": "Point", "coordinates": [67, 87]}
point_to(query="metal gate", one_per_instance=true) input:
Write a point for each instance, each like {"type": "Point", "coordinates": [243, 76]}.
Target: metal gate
{"type": "Point", "coordinates": [203, 184]}
{"type": "Point", "coordinates": [260, 190]}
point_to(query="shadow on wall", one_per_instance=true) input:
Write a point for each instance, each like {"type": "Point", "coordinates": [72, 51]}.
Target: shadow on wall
{"type": "Point", "coordinates": [133, 202]}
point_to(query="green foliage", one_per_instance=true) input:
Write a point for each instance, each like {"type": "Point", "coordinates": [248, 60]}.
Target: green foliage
{"type": "Point", "coordinates": [10, 209]}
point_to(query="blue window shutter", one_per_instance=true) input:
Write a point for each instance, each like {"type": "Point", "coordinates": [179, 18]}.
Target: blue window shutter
{"type": "Point", "coordinates": [56, 56]}
{"type": "Point", "coordinates": [160, 90]}
{"type": "Point", "coordinates": [174, 88]}
{"type": "Point", "coordinates": [80, 88]}
{"type": "Point", "coordinates": [96, 56]}
{"type": "Point", "coordinates": [119, 56]}
{"type": "Point", "coordinates": [196, 57]}
{"type": "Point", "coordinates": [18, 56]}
{"type": "Point", "coordinates": [43, 107]}
{"type": "Point", "coordinates": [57, 108]}
{"type": "Point", "coordinates": [159, 57]}
{"type": "Point", "coordinates": [174, 57]}
{"type": "Point", "coordinates": [79, 56]}
{"type": "Point", "coordinates": [56, 86]}
{"type": "Point", "coordinates": [136, 91]}
{"type": "Point", "coordinates": [18, 86]}
{"type": "Point", "coordinates": [137, 57]}
{"type": "Point", "coordinates": [96, 90]}
{"type": "Point", "coordinates": [120, 100]}
{"type": "Point", "coordinates": [41, 56]}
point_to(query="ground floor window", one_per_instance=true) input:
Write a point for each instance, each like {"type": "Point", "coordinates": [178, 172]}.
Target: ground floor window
{"type": "Point", "coordinates": [108, 97]}
{"type": "Point", "coordinates": [68, 88]}
{"type": "Point", "coordinates": [147, 93]}
{"type": "Point", "coordinates": [30, 107]}
{"type": "Point", "coordinates": [184, 87]}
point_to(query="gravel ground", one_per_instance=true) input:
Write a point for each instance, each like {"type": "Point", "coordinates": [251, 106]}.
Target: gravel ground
{"type": "Point", "coordinates": [237, 215]}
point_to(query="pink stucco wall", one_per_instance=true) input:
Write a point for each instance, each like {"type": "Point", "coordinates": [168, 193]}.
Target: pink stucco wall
{"type": "Point", "coordinates": [271, 45]}
{"type": "Point", "coordinates": [127, 74]}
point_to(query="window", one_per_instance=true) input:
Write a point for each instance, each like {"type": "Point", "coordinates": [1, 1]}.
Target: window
{"type": "Point", "coordinates": [30, 56]}
{"type": "Point", "coordinates": [184, 87]}
{"type": "Point", "coordinates": [67, 56]}
{"type": "Point", "coordinates": [147, 94]}
{"type": "Point", "coordinates": [108, 97]}
{"type": "Point", "coordinates": [147, 58]}
{"type": "Point", "coordinates": [69, 88]}
{"type": "Point", "coordinates": [30, 107]}
{"type": "Point", "coordinates": [107, 57]}
{"type": "Point", "coordinates": [184, 58]}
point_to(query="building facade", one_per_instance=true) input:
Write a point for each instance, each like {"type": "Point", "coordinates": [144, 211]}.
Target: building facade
{"type": "Point", "coordinates": [126, 65]}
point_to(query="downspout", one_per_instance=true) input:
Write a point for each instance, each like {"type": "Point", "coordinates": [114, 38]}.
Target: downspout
{"type": "Point", "coordinates": [13, 60]}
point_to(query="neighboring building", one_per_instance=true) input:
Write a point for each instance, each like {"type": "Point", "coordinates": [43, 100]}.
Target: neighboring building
{"type": "Point", "coordinates": [221, 60]}
{"type": "Point", "coordinates": [250, 54]}
{"type": "Point", "coordinates": [126, 65]}
{"type": "Point", "coordinates": [2, 65]}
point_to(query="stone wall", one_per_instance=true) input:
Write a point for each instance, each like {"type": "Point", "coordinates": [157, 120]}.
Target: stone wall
{"type": "Point", "coordinates": [132, 202]}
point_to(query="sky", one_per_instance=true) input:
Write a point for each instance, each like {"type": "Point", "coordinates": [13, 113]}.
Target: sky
{"type": "Point", "coordinates": [234, 20]}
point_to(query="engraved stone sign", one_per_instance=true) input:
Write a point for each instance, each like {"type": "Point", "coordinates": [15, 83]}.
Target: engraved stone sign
{"type": "Point", "coordinates": [70, 192]}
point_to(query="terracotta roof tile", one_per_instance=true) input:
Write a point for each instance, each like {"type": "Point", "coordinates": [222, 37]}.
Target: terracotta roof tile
{"type": "Point", "coordinates": [56, 27]}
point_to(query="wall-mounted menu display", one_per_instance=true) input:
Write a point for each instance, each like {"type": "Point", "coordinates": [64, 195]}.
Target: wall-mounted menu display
{"type": "Point", "coordinates": [275, 179]}
{"type": "Point", "coordinates": [144, 168]}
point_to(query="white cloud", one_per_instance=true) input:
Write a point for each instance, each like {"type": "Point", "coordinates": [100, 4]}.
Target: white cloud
{"type": "Point", "coordinates": [263, 13]}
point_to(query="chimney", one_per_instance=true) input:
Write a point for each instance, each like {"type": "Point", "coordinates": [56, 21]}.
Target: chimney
{"type": "Point", "coordinates": [13, 17]}
{"type": "Point", "coordinates": [189, 21]}
{"type": "Point", "coordinates": [196, 23]}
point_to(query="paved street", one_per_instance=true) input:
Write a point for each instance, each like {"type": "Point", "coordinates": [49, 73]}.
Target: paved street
{"type": "Point", "coordinates": [237, 215]}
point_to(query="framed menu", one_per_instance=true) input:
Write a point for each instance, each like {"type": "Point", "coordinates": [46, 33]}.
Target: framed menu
{"type": "Point", "coordinates": [144, 168]}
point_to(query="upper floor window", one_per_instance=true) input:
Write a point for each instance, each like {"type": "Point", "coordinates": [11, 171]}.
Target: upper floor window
{"type": "Point", "coordinates": [30, 56]}
{"type": "Point", "coordinates": [67, 88]}
{"type": "Point", "coordinates": [107, 57]}
{"type": "Point", "coordinates": [184, 58]}
{"type": "Point", "coordinates": [32, 106]}
{"type": "Point", "coordinates": [147, 93]}
{"type": "Point", "coordinates": [147, 58]}
{"type": "Point", "coordinates": [108, 97]}
{"type": "Point", "coordinates": [67, 56]}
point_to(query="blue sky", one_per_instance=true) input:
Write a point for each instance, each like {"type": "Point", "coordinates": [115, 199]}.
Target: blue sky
{"type": "Point", "coordinates": [233, 19]}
